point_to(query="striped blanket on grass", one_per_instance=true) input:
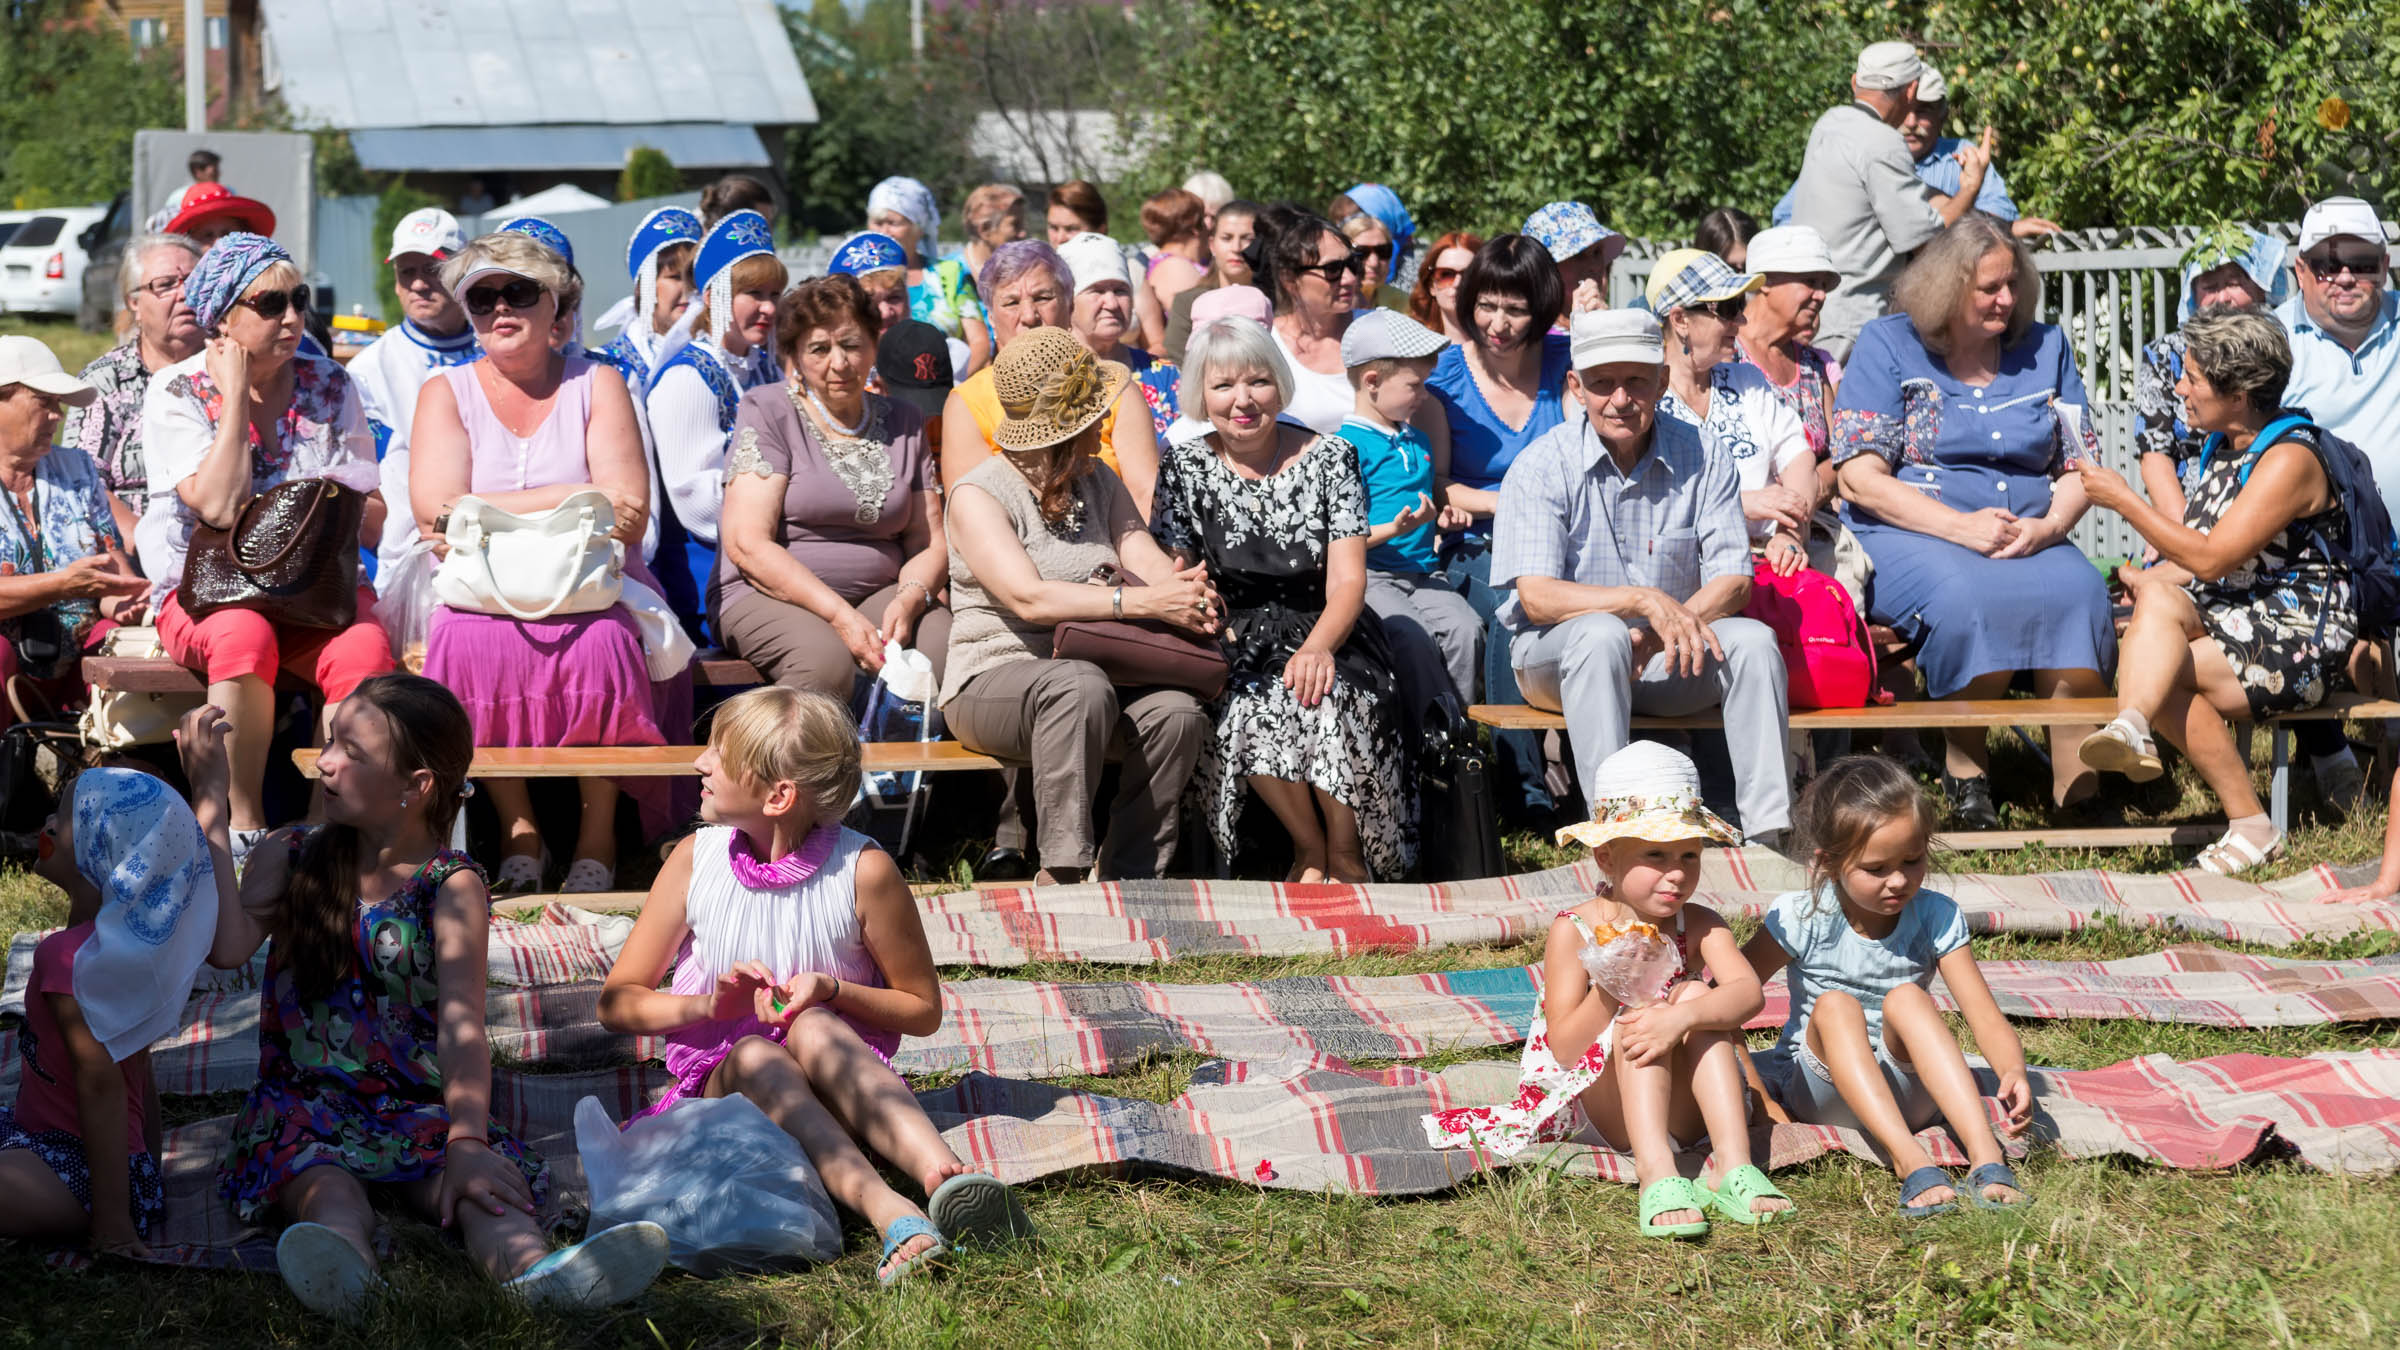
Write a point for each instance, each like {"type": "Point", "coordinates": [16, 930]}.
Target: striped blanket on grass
{"type": "Point", "coordinates": [1318, 1125]}
{"type": "Point", "coordinates": [543, 1009]}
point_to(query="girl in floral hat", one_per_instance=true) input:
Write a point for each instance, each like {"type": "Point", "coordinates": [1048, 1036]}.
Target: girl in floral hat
{"type": "Point", "coordinates": [1632, 1048]}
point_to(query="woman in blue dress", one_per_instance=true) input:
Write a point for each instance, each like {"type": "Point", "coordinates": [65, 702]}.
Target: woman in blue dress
{"type": "Point", "coordinates": [1955, 430]}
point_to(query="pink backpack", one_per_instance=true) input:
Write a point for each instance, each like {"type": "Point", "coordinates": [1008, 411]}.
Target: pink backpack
{"type": "Point", "coordinates": [1827, 657]}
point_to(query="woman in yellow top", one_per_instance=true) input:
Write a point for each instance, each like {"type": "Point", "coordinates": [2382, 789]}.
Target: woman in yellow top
{"type": "Point", "coordinates": [1027, 285]}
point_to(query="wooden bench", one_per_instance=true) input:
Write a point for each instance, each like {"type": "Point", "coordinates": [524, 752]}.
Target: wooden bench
{"type": "Point", "coordinates": [157, 675]}
{"type": "Point", "coordinates": [1994, 712]}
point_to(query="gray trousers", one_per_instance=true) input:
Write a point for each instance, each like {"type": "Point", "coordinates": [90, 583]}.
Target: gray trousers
{"type": "Point", "coordinates": [1434, 633]}
{"type": "Point", "coordinates": [1066, 720]}
{"type": "Point", "coordinates": [793, 647]}
{"type": "Point", "coordinates": [1584, 668]}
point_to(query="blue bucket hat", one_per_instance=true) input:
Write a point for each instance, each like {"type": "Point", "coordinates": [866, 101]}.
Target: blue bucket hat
{"type": "Point", "coordinates": [868, 252]}
{"type": "Point", "coordinates": [1566, 229]}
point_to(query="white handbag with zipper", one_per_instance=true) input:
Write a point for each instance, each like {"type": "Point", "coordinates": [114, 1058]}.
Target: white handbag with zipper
{"type": "Point", "coordinates": [117, 719]}
{"type": "Point", "coordinates": [565, 560]}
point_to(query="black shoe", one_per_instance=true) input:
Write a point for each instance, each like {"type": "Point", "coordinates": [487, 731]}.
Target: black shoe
{"type": "Point", "coordinates": [1004, 864]}
{"type": "Point", "coordinates": [1971, 805]}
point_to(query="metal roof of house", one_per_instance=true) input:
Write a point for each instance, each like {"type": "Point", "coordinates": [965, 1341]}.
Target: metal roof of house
{"type": "Point", "coordinates": [360, 64]}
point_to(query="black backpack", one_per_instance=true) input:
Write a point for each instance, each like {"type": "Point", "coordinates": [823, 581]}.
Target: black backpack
{"type": "Point", "coordinates": [2369, 548]}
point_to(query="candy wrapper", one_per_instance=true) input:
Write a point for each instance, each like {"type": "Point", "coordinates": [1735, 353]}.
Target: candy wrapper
{"type": "Point", "coordinates": [1633, 962]}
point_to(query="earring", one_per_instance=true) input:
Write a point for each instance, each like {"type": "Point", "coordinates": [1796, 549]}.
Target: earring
{"type": "Point", "coordinates": [404, 801]}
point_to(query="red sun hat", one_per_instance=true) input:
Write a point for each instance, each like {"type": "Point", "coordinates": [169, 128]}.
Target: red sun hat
{"type": "Point", "coordinates": [204, 201]}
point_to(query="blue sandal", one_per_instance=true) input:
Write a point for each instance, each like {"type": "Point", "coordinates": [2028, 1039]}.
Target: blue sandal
{"type": "Point", "coordinates": [904, 1230]}
{"type": "Point", "coordinates": [1917, 1183]}
{"type": "Point", "coordinates": [978, 1209]}
{"type": "Point", "coordinates": [1995, 1174]}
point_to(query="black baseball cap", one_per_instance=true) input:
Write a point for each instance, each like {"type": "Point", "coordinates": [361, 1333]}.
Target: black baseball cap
{"type": "Point", "coordinates": [914, 360]}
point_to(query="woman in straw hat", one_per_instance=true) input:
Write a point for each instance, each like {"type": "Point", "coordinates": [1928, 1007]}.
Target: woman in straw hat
{"type": "Point", "coordinates": [1040, 534]}
{"type": "Point", "coordinates": [1633, 1050]}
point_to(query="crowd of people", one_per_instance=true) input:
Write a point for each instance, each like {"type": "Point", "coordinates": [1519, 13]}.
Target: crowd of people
{"type": "Point", "coordinates": [1348, 481]}
{"type": "Point", "coordinates": [1379, 475]}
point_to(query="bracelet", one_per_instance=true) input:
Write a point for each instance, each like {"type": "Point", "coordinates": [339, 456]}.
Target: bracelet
{"type": "Point", "coordinates": [455, 1140]}
{"type": "Point", "coordinates": [837, 990]}
{"type": "Point", "coordinates": [906, 582]}
{"type": "Point", "coordinates": [1116, 603]}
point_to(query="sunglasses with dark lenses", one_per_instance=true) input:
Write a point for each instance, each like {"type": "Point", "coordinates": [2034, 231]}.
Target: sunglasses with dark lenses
{"type": "Point", "coordinates": [1382, 252]}
{"type": "Point", "coordinates": [1728, 310]}
{"type": "Point", "coordinates": [2365, 263]}
{"type": "Point", "coordinates": [519, 294]}
{"type": "Point", "coordinates": [272, 305]}
{"type": "Point", "coordinates": [1443, 276]}
{"type": "Point", "coordinates": [1331, 271]}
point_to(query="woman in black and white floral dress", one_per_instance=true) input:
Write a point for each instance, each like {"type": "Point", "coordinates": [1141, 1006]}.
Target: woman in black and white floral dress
{"type": "Point", "coordinates": [1278, 515]}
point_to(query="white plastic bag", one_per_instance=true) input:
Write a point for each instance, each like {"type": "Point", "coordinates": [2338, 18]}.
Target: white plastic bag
{"type": "Point", "coordinates": [405, 607]}
{"type": "Point", "coordinates": [732, 1190]}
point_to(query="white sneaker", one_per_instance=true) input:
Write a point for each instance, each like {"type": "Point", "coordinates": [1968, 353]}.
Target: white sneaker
{"type": "Point", "coordinates": [587, 876]}
{"type": "Point", "coordinates": [520, 874]}
{"type": "Point", "coordinates": [604, 1269]}
{"type": "Point", "coordinates": [324, 1272]}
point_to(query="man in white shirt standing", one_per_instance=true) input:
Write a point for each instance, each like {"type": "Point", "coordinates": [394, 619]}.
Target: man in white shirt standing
{"type": "Point", "coordinates": [1859, 188]}
{"type": "Point", "coordinates": [2344, 323]}
{"type": "Point", "coordinates": [432, 333]}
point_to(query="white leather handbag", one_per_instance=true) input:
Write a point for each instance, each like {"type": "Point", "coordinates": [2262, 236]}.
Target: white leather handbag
{"type": "Point", "coordinates": [561, 561]}
{"type": "Point", "coordinates": [117, 719]}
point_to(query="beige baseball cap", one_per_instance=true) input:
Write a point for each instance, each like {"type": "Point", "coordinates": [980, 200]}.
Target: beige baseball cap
{"type": "Point", "coordinates": [30, 362]}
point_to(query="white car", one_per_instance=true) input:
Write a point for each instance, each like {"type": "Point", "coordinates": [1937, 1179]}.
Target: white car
{"type": "Point", "coordinates": [41, 264]}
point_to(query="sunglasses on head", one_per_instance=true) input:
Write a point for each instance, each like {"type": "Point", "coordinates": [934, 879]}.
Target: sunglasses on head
{"type": "Point", "coordinates": [273, 304]}
{"type": "Point", "coordinates": [518, 293]}
{"type": "Point", "coordinates": [2359, 262]}
{"type": "Point", "coordinates": [1331, 271]}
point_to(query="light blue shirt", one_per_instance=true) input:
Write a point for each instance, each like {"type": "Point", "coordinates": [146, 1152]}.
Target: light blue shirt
{"type": "Point", "coordinates": [1828, 954]}
{"type": "Point", "coordinates": [1395, 469]}
{"type": "Point", "coordinates": [2354, 395]}
{"type": "Point", "coordinates": [1939, 170]}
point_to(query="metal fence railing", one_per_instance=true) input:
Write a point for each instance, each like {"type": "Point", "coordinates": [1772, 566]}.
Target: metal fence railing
{"type": "Point", "coordinates": [2114, 292]}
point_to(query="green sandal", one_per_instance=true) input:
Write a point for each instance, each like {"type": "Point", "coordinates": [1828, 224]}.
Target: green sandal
{"type": "Point", "coordinates": [1738, 1189]}
{"type": "Point", "coordinates": [1665, 1196]}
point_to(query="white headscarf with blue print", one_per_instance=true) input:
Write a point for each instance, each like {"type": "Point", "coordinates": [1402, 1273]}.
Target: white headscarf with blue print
{"type": "Point", "coordinates": [138, 842]}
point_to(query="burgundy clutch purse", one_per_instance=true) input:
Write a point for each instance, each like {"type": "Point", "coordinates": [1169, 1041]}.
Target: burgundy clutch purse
{"type": "Point", "coordinates": [1144, 654]}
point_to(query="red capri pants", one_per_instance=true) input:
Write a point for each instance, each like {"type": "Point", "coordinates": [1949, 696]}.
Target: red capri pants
{"type": "Point", "coordinates": [232, 643]}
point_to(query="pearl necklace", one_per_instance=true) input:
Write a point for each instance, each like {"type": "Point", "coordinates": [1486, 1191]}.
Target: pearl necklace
{"type": "Point", "coordinates": [832, 423]}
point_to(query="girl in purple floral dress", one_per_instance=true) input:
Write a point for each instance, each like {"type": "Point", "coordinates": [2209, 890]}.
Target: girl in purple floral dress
{"type": "Point", "coordinates": [373, 1067]}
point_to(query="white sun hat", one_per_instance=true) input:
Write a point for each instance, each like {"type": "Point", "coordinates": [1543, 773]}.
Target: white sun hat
{"type": "Point", "coordinates": [1648, 791]}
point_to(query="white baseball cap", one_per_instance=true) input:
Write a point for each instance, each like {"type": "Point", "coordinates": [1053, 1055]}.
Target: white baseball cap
{"type": "Point", "coordinates": [2337, 216]}
{"type": "Point", "coordinates": [429, 230]}
{"type": "Point", "coordinates": [1600, 336]}
{"type": "Point", "coordinates": [1931, 87]}
{"type": "Point", "coordinates": [1093, 258]}
{"type": "Point", "coordinates": [30, 362]}
{"type": "Point", "coordinates": [1888, 65]}
{"type": "Point", "coordinates": [1379, 333]}
{"type": "Point", "coordinates": [1789, 248]}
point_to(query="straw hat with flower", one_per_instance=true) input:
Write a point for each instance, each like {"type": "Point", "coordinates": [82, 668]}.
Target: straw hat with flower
{"type": "Point", "coordinates": [1051, 388]}
{"type": "Point", "coordinates": [1647, 791]}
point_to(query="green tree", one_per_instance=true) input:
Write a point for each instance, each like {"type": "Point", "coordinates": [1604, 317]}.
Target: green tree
{"type": "Point", "coordinates": [71, 97]}
{"type": "Point", "coordinates": [879, 113]}
{"type": "Point", "coordinates": [648, 173]}
{"type": "Point", "coordinates": [398, 200]}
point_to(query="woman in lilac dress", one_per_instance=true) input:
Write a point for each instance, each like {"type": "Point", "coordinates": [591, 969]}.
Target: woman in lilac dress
{"type": "Point", "coordinates": [522, 429]}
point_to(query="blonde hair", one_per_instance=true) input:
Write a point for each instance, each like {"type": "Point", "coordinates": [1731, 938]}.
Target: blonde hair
{"type": "Point", "coordinates": [779, 735]}
{"type": "Point", "coordinates": [1934, 288]}
{"type": "Point", "coordinates": [758, 272]}
{"type": "Point", "coordinates": [525, 256]}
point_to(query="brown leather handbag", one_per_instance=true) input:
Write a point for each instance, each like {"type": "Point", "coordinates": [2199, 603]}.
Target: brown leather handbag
{"type": "Point", "coordinates": [291, 555]}
{"type": "Point", "coordinates": [1144, 654]}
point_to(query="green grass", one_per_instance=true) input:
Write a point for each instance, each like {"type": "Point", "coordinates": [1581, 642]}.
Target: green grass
{"type": "Point", "coordinates": [2112, 1254]}
{"type": "Point", "coordinates": [74, 347]}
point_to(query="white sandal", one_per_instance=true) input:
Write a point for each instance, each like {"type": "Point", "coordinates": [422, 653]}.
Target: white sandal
{"type": "Point", "coordinates": [2233, 853]}
{"type": "Point", "coordinates": [586, 876]}
{"type": "Point", "coordinates": [2118, 748]}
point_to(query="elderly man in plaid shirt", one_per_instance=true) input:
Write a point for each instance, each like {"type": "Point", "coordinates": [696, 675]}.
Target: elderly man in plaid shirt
{"type": "Point", "coordinates": [1630, 562]}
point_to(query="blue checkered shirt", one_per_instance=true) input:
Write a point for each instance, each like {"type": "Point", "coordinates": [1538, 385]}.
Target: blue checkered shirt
{"type": "Point", "coordinates": [1567, 511]}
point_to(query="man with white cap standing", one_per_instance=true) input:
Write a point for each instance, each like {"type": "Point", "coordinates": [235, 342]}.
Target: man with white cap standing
{"type": "Point", "coordinates": [1938, 164]}
{"type": "Point", "coordinates": [1623, 542]}
{"type": "Point", "coordinates": [2344, 324]}
{"type": "Point", "coordinates": [1859, 188]}
{"type": "Point", "coordinates": [432, 333]}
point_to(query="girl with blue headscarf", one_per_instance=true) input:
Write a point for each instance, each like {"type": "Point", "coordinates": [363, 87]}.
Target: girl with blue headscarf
{"type": "Point", "coordinates": [79, 1148]}
{"type": "Point", "coordinates": [2231, 267]}
{"type": "Point", "coordinates": [1380, 229]}
{"type": "Point", "coordinates": [940, 292]}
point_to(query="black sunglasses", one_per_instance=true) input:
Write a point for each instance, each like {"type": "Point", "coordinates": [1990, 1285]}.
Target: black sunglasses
{"type": "Point", "coordinates": [2364, 263]}
{"type": "Point", "coordinates": [519, 293]}
{"type": "Point", "coordinates": [1331, 271]}
{"type": "Point", "coordinates": [270, 305]}
{"type": "Point", "coordinates": [1728, 310]}
{"type": "Point", "coordinates": [1383, 251]}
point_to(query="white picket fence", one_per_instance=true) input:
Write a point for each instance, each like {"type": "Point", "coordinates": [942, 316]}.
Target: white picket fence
{"type": "Point", "coordinates": [2113, 291]}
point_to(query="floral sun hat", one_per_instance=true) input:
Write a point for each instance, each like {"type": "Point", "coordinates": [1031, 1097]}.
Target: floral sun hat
{"type": "Point", "coordinates": [1647, 791]}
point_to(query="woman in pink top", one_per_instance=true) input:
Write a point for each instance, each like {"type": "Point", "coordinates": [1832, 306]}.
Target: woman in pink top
{"type": "Point", "coordinates": [522, 429]}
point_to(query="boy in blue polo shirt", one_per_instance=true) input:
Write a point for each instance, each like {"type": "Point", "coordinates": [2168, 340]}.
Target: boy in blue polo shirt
{"type": "Point", "coordinates": [1435, 635]}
